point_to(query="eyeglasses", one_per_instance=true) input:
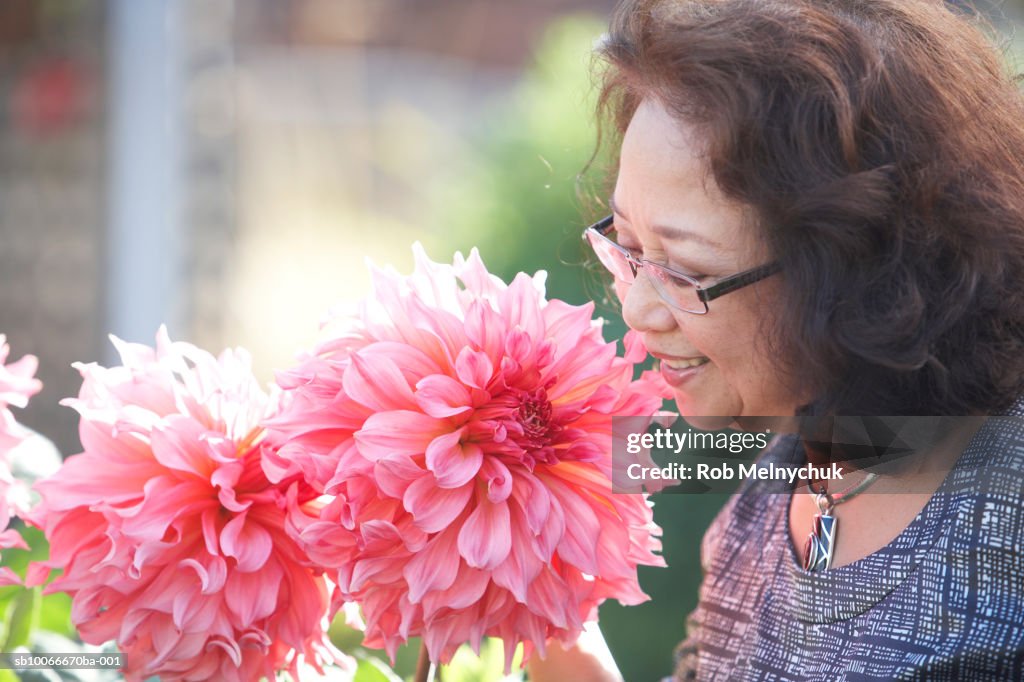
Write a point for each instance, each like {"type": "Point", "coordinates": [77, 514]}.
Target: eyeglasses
{"type": "Point", "coordinates": [678, 290]}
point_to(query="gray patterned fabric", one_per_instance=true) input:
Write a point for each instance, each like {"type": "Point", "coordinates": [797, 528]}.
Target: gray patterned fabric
{"type": "Point", "coordinates": [943, 601]}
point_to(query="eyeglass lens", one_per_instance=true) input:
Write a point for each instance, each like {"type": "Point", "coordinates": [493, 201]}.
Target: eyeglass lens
{"type": "Point", "coordinates": [677, 292]}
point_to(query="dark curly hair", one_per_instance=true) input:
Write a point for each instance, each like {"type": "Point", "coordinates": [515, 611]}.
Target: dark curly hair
{"type": "Point", "coordinates": [881, 146]}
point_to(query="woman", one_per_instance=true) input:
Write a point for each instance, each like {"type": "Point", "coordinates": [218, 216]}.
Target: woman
{"type": "Point", "coordinates": [819, 210]}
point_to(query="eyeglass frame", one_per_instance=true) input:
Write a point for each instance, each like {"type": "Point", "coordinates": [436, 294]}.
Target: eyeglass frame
{"type": "Point", "coordinates": [727, 285]}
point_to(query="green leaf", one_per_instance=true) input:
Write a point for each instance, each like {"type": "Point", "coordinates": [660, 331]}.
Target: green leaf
{"type": "Point", "coordinates": [24, 617]}
{"type": "Point", "coordinates": [55, 614]}
{"type": "Point", "coordinates": [344, 636]}
{"type": "Point", "coordinates": [8, 676]}
{"type": "Point", "coordinates": [372, 670]}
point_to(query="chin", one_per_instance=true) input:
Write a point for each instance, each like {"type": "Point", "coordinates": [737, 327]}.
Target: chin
{"type": "Point", "coordinates": [702, 413]}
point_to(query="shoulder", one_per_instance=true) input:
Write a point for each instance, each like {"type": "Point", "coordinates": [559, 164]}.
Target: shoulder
{"type": "Point", "coordinates": [970, 584]}
{"type": "Point", "coordinates": [986, 489]}
{"type": "Point", "coordinates": [987, 484]}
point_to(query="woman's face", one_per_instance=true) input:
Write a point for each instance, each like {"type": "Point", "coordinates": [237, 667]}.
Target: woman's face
{"type": "Point", "coordinates": [669, 210]}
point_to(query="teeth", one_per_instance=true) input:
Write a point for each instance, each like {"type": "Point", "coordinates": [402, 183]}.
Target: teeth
{"type": "Point", "coordinates": [684, 364]}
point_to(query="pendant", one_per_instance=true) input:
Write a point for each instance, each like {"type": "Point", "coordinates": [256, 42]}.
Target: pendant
{"type": "Point", "coordinates": [820, 542]}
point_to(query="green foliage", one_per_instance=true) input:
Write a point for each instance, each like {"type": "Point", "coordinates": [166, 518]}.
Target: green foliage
{"type": "Point", "coordinates": [350, 640]}
{"type": "Point", "coordinates": [465, 666]}
{"type": "Point", "coordinates": [50, 613]}
{"type": "Point", "coordinates": [515, 198]}
{"type": "Point", "coordinates": [55, 614]}
{"type": "Point", "coordinates": [31, 620]}
{"type": "Point", "coordinates": [372, 670]}
{"type": "Point", "coordinates": [22, 618]}
{"type": "Point", "coordinates": [487, 667]}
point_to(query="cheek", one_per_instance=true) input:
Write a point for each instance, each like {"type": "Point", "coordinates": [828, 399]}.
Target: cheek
{"type": "Point", "coordinates": [716, 335]}
{"type": "Point", "coordinates": [737, 330]}
{"type": "Point", "coordinates": [730, 353]}
{"type": "Point", "coordinates": [736, 347]}
{"type": "Point", "coordinates": [746, 367]}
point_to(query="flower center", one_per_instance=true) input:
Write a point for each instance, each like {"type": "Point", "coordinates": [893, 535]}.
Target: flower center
{"type": "Point", "coordinates": [535, 429]}
{"type": "Point", "coordinates": [535, 414]}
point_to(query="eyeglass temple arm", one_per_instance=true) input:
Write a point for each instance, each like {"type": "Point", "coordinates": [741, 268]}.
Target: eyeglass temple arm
{"type": "Point", "coordinates": [737, 282]}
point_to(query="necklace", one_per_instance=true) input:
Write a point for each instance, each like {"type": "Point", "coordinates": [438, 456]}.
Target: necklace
{"type": "Point", "coordinates": [821, 541]}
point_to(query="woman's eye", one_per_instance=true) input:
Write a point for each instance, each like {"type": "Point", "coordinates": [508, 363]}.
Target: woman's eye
{"type": "Point", "coordinates": [633, 250]}
{"type": "Point", "coordinates": [679, 281]}
{"type": "Point", "coordinates": [676, 279]}
{"type": "Point", "coordinates": [690, 273]}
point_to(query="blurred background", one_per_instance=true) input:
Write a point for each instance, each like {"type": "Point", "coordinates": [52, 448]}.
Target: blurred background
{"type": "Point", "coordinates": [227, 166]}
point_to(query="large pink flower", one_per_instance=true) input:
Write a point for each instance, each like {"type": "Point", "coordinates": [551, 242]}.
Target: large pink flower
{"type": "Point", "coordinates": [171, 538]}
{"type": "Point", "coordinates": [464, 430]}
{"type": "Point", "coordinates": [17, 385]}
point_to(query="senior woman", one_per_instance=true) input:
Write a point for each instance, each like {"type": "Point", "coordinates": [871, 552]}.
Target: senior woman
{"type": "Point", "coordinates": [819, 210]}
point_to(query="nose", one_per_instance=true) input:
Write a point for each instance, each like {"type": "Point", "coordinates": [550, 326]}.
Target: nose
{"type": "Point", "coordinates": [643, 309]}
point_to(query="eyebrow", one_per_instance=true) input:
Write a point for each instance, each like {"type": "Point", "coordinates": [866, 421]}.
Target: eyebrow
{"type": "Point", "coordinates": [668, 232]}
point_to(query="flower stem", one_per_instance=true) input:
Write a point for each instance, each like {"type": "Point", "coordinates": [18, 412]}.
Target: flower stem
{"type": "Point", "coordinates": [423, 667]}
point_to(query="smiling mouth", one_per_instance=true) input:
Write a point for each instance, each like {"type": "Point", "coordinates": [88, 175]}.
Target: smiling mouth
{"type": "Point", "coordinates": [681, 363]}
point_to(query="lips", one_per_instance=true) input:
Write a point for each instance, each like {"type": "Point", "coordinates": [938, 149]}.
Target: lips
{"type": "Point", "coordinates": [678, 370]}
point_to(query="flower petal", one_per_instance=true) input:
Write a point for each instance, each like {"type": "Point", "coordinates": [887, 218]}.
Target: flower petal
{"type": "Point", "coordinates": [177, 444]}
{"type": "Point", "coordinates": [36, 574]}
{"type": "Point", "coordinates": [549, 597]}
{"type": "Point", "coordinates": [582, 529]}
{"type": "Point", "coordinates": [453, 463]}
{"type": "Point", "coordinates": [434, 567]}
{"type": "Point", "coordinates": [474, 368]}
{"type": "Point", "coordinates": [8, 577]}
{"type": "Point", "coordinates": [248, 542]}
{"type": "Point", "coordinates": [465, 591]}
{"type": "Point", "coordinates": [434, 508]}
{"type": "Point", "coordinates": [400, 432]}
{"type": "Point", "coordinates": [499, 479]}
{"type": "Point", "coordinates": [10, 538]}
{"type": "Point", "coordinates": [441, 396]}
{"type": "Point", "coordinates": [534, 499]}
{"type": "Point", "coordinates": [394, 473]}
{"type": "Point", "coordinates": [521, 566]}
{"type": "Point", "coordinates": [486, 537]}
{"type": "Point", "coordinates": [521, 304]}
{"type": "Point", "coordinates": [412, 361]}
{"type": "Point", "coordinates": [485, 329]}
{"type": "Point", "coordinates": [377, 383]}
{"type": "Point", "coordinates": [252, 596]}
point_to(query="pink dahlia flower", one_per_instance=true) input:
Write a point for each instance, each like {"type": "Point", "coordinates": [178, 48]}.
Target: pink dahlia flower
{"type": "Point", "coordinates": [464, 429]}
{"type": "Point", "coordinates": [17, 385]}
{"type": "Point", "coordinates": [171, 538]}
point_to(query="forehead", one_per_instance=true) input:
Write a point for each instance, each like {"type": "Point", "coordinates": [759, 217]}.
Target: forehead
{"type": "Point", "coordinates": [664, 180]}
{"type": "Point", "coordinates": [662, 144]}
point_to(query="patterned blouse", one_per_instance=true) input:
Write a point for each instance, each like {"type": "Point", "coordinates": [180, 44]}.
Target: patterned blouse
{"type": "Point", "coordinates": [943, 601]}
